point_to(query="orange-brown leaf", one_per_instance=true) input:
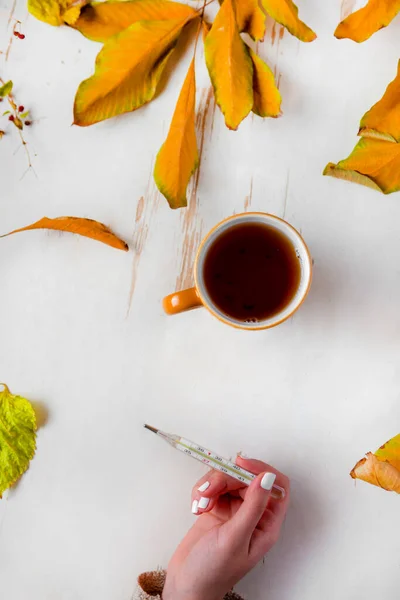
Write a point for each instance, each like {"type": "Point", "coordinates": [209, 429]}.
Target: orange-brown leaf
{"type": "Point", "coordinates": [376, 472]}
{"type": "Point", "coordinates": [360, 25]}
{"type": "Point", "coordinates": [230, 67]}
{"type": "Point", "coordinates": [178, 156]}
{"type": "Point", "coordinates": [99, 21]}
{"type": "Point", "coordinates": [86, 227]}
{"type": "Point", "coordinates": [383, 119]}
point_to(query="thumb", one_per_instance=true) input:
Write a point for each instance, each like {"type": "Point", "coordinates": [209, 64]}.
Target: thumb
{"type": "Point", "coordinates": [253, 506]}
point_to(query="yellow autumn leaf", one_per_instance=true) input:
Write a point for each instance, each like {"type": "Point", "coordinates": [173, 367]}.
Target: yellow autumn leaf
{"type": "Point", "coordinates": [383, 119]}
{"type": "Point", "coordinates": [128, 70]}
{"type": "Point", "coordinates": [373, 162]}
{"type": "Point", "coordinates": [230, 67]}
{"type": "Point", "coordinates": [382, 468]}
{"type": "Point", "coordinates": [285, 12]}
{"type": "Point", "coordinates": [178, 156]}
{"type": "Point", "coordinates": [17, 437]}
{"type": "Point", "coordinates": [390, 452]}
{"type": "Point", "coordinates": [250, 18]}
{"type": "Point", "coordinates": [56, 12]}
{"type": "Point", "coordinates": [86, 227]}
{"type": "Point", "coordinates": [267, 98]}
{"type": "Point", "coordinates": [99, 21]}
{"type": "Point", "coordinates": [360, 25]}
{"type": "Point", "coordinates": [71, 15]}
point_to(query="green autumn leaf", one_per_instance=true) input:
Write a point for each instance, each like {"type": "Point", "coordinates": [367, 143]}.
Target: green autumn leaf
{"type": "Point", "coordinates": [17, 437]}
{"type": "Point", "coordinates": [382, 121]}
{"type": "Point", "coordinates": [6, 89]}
{"type": "Point", "coordinates": [373, 162]}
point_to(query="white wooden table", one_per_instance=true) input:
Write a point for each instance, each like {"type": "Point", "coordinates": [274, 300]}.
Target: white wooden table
{"type": "Point", "coordinates": [83, 331]}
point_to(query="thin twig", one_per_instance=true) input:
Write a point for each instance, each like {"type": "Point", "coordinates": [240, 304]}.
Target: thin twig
{"type": "Point", "coordinates": [14, 4]}
{"type": "Point", "coordinates": [12, 37]}
{"type": "Point", "coordinates": [13, 106]}
{"type": "Point", "coordinates": [201, 10]}
{"type": "Point", "coordinates": [200, 24]}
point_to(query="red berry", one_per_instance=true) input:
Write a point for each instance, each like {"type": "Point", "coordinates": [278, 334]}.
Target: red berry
{"type": "Point", "coordinates": [21, 108]}
{"type": "Point", "coordinates": [21, 36]}
{"type": "Point", "coordinates": [11, 118]}
{"type": "Point", "coordinates": [16, 33]}
{"type": "Point", "coordinates": [27, 123]}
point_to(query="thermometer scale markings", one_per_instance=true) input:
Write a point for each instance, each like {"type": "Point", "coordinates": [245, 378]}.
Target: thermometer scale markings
{"type": "Point", "coordinates": [209, 457]}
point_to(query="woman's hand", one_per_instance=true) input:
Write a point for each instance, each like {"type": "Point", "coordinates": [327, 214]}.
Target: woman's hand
{"type": "Point", "coordinates": [236, 526]}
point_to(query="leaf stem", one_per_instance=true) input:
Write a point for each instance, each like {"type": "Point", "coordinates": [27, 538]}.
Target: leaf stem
{"type": "Point", "coordinates": [205, 3]}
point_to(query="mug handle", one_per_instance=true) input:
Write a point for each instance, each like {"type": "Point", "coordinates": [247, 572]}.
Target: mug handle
{"type": "Point", "coordinates": [182, 301]}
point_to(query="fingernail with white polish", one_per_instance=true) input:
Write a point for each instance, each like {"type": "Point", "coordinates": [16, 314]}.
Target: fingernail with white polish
{"type": "Point", "coordinates": [204, 502]}
{"type": "Point", "coordinates": [195, 507]}
{"type": "Point", "coordinates": [243, 455]}
{"type": "Point", "coordinates": [204, 487]}
{"type": "Point", "coordinates": [268, 481]}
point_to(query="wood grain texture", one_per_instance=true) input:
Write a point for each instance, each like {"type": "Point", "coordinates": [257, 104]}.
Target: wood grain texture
{"type": "Point", "coordinates": [146, 208]}
{"type": "Point", "coordinates": [346, 8]}
{"type": "Point", "coordinates": [249, 197]}
{"type": "Point", "coordinates": [192, 223]}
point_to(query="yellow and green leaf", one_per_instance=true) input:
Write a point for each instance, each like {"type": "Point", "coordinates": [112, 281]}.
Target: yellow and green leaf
{"type": "Point", "coordinates": [285, 12]}
{"type": "Point", "coordinates": [6, 89]}
{"type": "Point", "coordinates": [99, 21]}
{"type": "Point", "coordinates": [267, 98]}
{"type": "Point", "coordinates": [128, 70]}
{"type": "Point", "coordinates": [17, 437]}
{"type": "Point", "coordinates": [56, 12]}
{"type": "Point", "coordinates": [86, 227]}
{"type": "Point", "coordinates": [250, 18]}
{"type": "Point", "coordinates": [383, 119]}
{"type": "Point", "coordinates": [382, 468]}
{"type": "Point", "coordinates": [230, 67]}
{"type": "Point", "coordinates": [178, 157]}
{"type": "Point", "coordinates": [360, 25]}
{"type": "Point", "coordinates": [373, 162]}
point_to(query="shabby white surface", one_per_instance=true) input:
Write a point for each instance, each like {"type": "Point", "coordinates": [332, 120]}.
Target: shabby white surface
{"type": "Point", "coordinates": [103, 499]}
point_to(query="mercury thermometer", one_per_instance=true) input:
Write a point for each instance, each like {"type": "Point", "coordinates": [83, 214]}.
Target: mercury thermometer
{"type": "Point", "coordinates": [212, 460]}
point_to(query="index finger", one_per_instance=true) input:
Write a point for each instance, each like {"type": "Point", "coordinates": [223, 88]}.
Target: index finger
{"type": "Point", "coordinates": [208, 489]}
{"type": "Point", "coordinates": [277, 507]}
{"type": "Point", "coordinates": [258, 466]}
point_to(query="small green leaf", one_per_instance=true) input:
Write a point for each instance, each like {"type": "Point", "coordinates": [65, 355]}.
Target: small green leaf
{"type": "Point", "coordinates": [17, 437]}
{"type": "Point", "coordinates": [6, 112]}
{"type": "Point", "coordinates": [6, 89]}
{"type": "Point", "coordinates": [24, 114]}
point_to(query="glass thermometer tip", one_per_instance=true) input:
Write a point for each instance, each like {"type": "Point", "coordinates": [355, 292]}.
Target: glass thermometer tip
{"type": "Point", "coordinates": [150, 428]}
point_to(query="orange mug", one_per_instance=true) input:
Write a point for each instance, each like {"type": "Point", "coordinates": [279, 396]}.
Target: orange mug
{"type": "Point", "coordinates": [200, 295]}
